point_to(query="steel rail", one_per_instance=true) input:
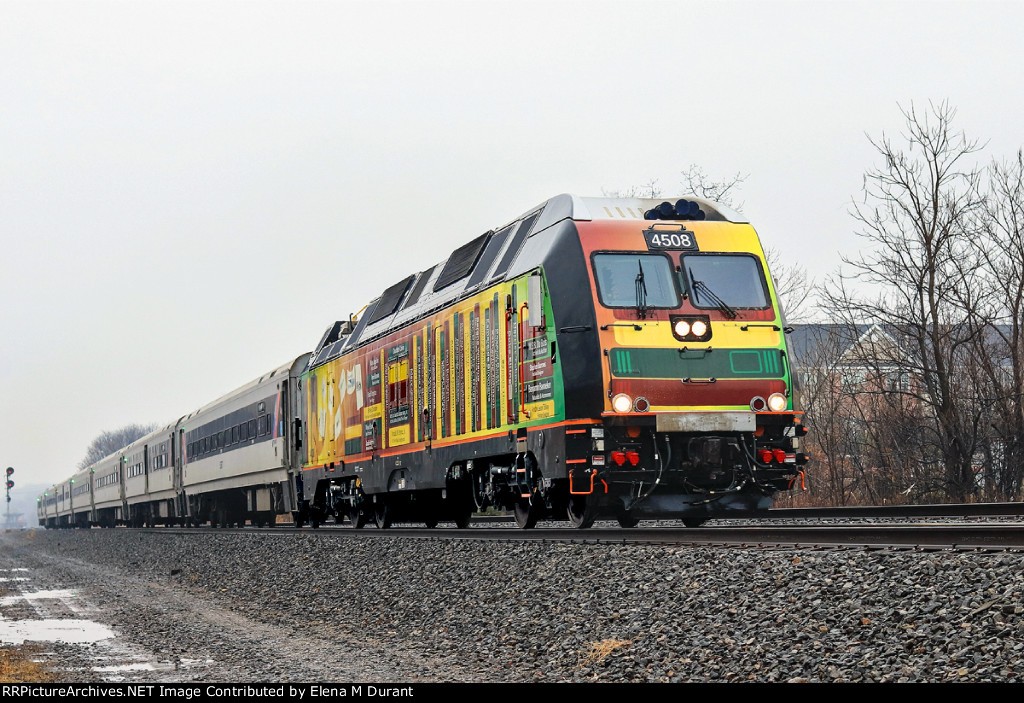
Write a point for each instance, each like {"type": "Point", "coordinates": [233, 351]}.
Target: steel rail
{"type": "Point", "coordinates": [852, 512]}
{"type": "Point", "coordinates": [916, 536]}
{"type": "Point", "coordinates": [898, 511]}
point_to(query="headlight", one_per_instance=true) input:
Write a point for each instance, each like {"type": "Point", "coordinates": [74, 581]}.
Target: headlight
{"type": "Point", "coordinates": [622, 403]}
{"type": "Point", "coordinates": [691, 328]}
{"type": "Point", "coordinates": [777, 402]}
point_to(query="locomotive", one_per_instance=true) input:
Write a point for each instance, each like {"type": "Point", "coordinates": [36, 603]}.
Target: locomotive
{"type": "Point", "coordinates": [594, 358]}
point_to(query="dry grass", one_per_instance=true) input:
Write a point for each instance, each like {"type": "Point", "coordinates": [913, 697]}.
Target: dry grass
{"type": "Point", "coordinates": [598, 651]}
{"type": "Point", "coordinates": [17, 666]}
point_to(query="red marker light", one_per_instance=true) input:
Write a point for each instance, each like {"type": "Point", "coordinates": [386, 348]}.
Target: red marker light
{"type": "Point", "coordinates": [619, 458]}
{"type": "Point", "coordinates": [634, 457]}
{"type": "Point", "coordinates": [765, 455]}
{"type": "Point", "coordinates": [780, 455]}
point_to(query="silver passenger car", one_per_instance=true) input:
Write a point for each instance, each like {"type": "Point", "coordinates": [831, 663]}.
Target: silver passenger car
{"type": "Point", "coordinates": [238, 459]}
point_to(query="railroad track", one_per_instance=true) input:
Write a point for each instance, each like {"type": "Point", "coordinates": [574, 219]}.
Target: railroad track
{"type": "Point", "coordinates": [925, 536]}
{"type": "Point", "coordinates": [960, 510]}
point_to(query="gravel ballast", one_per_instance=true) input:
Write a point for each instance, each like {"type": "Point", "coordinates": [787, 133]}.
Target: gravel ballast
{"type": "Point", "coordinates": [281, 606]}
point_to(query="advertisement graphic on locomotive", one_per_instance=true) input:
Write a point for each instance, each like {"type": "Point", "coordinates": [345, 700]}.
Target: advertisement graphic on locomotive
{"type": "Point", "coordinates": [597, 357]}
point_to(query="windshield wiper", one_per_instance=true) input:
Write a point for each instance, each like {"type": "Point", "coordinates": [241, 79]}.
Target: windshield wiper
{"type": "Point", "coordinates": [702, 287]}
{"type": "Point", "coordinates": [641, 292]}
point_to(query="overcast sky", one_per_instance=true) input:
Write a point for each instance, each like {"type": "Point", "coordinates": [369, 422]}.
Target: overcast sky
{"type": "Point", "coordinates": [190, 192]}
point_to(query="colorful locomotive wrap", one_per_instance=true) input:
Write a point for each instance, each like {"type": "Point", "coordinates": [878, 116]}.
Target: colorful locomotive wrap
{"type": "Point", "coordinates": [445, 380]}
{"type": "Point", "coordinates": [595, 357]}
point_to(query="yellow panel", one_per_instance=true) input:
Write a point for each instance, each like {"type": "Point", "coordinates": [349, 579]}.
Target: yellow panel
{"type": "Point", "coordinates": [467, 373]}
{"type": "Point", "coordinates": [723, 334]}
{"type": "Point", "coordinates": [414, 399]}
{"type": "Point", "coordinates": [398, 435]}
{"type": "Point", "coordinates": [452, 388]}
{"type": "Point", "coordinates": [726, 236]}
{"type": "Point", "coordinates": [372, 412]}
{"type": "Point", "coordinates": [541, 410]}
{"type": "Point", "coordinates": [732, 336]}
{"type": "Point", "coordinates": [398, 372]}
{"type": "Point", "coordinates": [438, 366]}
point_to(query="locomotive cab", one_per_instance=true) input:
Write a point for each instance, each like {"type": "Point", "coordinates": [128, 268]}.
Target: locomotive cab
{"type": "Point", "coordinates": [697, 419]}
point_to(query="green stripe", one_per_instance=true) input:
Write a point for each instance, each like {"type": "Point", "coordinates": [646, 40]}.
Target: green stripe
{"type": "Point", "coordinates": [696, 363]}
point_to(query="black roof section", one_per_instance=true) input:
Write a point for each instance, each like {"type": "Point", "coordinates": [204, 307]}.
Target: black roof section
{"type": "Point", "coordinates": [515, 245]}
{"type": "Point", "coordinates": [483, 266]}
{"type": "Point", "coordinates": [461, 262]}
{"type": "Point", "coordinates": [417, 289]}
{"type": "Point", "coordinates": [389, 301]}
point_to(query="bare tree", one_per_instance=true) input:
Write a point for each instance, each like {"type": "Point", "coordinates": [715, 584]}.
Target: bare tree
{"type": "Point", "coordinates": [916, 274]}
{"type": "Point", "coordinates": [110, 441]}
{"type": "Point", "coordinates": [999, 313]}
{"type": "Point", "coordinates": [650, 189]}
{"type": "Point", "coordinates": [818, 351]}
{"type": "Point", "coordinates": [792, 285]}
{"type": "Point", "coordinates": [696, 181]}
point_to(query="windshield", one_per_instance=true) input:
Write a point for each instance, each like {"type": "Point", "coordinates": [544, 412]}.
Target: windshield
{"type": "Point", "coordinates": [617, 280]}
{"type": "Point", "coordinates": [734, 281]}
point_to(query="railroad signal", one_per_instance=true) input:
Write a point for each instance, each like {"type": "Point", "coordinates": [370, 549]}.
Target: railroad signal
{"type": "Point", "coordinates": [10, 470]}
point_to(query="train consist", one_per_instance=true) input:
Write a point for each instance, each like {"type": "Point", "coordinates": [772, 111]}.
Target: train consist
{"type": "Point", "coordinates": [229, 462]}
{"type": "Point", "coordinates": [596, 357]}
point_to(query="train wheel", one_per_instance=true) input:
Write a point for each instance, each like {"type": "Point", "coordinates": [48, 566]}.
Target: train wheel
{"type": "Point", "coordinates": [626, 520]}
{"type": "Point", "coordinates": [382, 515]}
{"type": "Point", "coordinates": [314, 521]}
{"type": "Point", "coordinates": [581, 512]}
{"type": "Point", "coordinates": [431, 522]}
{"type": "Point", "coordinates": [462, 517]}
{"type": "Point", "coordinates": [526, 513]}
{"type": "Point", "coordinates": [694, 521]}
{"type": "Point", "coordinates": [357, 519]}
